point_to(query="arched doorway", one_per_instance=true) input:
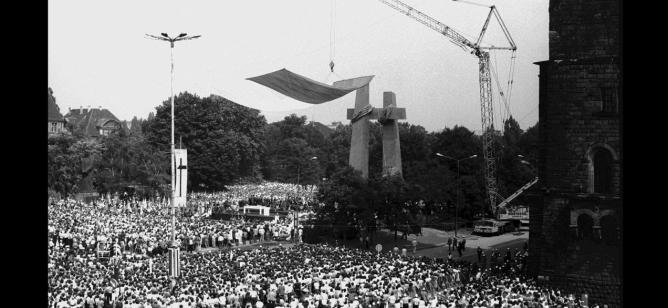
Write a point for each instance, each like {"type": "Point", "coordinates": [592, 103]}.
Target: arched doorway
{"type": "Point", "coordinates": [609, 229]}
{"type": "Point", "coordinates": [603, 168]}
{"type": "Point", "coordinates": [585, 226]}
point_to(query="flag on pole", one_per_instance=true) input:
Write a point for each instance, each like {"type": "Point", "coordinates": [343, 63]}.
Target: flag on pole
{"type": "Point", "coordinates": [174, 262]}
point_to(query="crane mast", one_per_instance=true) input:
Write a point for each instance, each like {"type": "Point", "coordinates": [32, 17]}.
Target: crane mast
{"type": "Point", "coordinates": [486, 107]}
{"type": "Point", "coordinates": [487, 119]}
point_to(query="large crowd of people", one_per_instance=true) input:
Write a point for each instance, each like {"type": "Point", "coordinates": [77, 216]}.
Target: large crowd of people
{"type": "Point", "coordinates": [278, 196]}
{"type": "Point", "coordinates": [135, 273]}
{"type": "Point", "coordinates": [108, 227]}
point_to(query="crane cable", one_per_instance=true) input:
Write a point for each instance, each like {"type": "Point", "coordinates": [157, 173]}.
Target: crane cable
{"type": "Point", "coordinates": [332, 43]}
{"type": "Point", "coordinates": [511, 73]}
{"type": "Point", "coordinates": [498, 93]}
{"type": "Point", "coordinates": [332, 35]}
{"type": "Point", "coordinates": [502, 100]}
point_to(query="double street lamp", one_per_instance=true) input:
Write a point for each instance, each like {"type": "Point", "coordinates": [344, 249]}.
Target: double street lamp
{"type": "Point", "coordinates": [172, 40]}
{"type": "Point", "coordinates": [167, 38]}
{"type": "Point", "coordinates": [458, 182]}
{"type": "Point", "coordinates": [524, 161]}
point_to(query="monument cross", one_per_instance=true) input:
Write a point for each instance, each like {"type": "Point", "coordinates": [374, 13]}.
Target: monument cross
{"type": "Point", "coordinates": [181, 167]}
{"type": "Point", "coordinates": [387, 116]}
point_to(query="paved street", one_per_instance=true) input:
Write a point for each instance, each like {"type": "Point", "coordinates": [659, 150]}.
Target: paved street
{"type": "Point", "coordinates": [434, 243]}
{"type": "Point", "coordinates": [439, 239]}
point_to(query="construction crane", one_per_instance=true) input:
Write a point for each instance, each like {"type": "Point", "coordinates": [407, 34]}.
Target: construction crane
{"type": "Point", "coordinates": [486, 108]}
{"type": "Point", "coordinates": [517, 193]}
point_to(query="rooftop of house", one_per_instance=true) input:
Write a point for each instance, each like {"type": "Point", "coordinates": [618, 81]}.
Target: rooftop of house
{"type": "Point", "coordinates": [90, 120]}
{"type": "Point", "coordinates": [54, 110]}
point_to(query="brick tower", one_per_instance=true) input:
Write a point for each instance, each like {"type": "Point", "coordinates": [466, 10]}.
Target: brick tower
{"type": "Point", "coordinates": [576, 218]}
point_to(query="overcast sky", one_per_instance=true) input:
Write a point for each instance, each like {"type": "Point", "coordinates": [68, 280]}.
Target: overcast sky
{"type": "Point", "coordinates": [98, 55]}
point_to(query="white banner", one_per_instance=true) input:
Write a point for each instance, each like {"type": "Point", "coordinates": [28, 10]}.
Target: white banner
{"type": "Point", "coordinates": [180, 177]}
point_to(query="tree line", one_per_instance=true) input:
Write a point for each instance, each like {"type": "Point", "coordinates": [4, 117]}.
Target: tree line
{"type": "Point", "coordinates": [228, 143]}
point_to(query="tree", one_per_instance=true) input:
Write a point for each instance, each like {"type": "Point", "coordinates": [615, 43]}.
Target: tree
{"type": "Point", "coordinates": [293, 162]}
{"type": "Point", "coordinates": [292, 126]}
{"type": "Point", "coordinates": [415, 142]}
{"type": "Point", "coordinates": [290, 146]}
{"type": "Point", "coordinates": [336, 150]}
{"type": "Point", "coordinates": [131, 161]}
{"type": "Point", "coordinates": [511, 132]}
{"type": "Point", "coordinates": [529, 144]}
{"type": "Point", "coordinates": [458, 143]}
{"type": "Point", "coordinates": [512, 174]}
{"type": "Point", "coordinates": [136, 126]}
{"type": "Point", "coordinates": [71, 160]}
{"type": "Point", "coordinates": [63, 173]}
{"type": "Point", "coordinates": [347, 200]}
{"type": "Point", "coordinates": [224, 139]}
{"type": "Point", "coordinates": [391, 193]}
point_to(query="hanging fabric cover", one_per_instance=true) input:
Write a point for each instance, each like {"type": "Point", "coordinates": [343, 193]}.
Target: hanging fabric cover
{"type": "Point", "coordinates": [307, 90]}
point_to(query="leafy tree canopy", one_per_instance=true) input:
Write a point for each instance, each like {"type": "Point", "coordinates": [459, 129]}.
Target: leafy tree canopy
{"type": "Point", "coordinates": [224, 139]}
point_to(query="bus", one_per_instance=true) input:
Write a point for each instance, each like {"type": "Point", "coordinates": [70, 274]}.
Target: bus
{"type": "Point", "coordinates": [491, 227]}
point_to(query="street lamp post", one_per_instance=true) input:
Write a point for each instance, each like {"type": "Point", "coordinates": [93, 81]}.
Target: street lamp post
{"type": "Point", "coordinates": [167, 38]}
{"type": "Point", "coordinates": [458, 184]}
{"type": "Point", "coordinates": [299, 168]}
{"type": "Point", "coordinates": [524, 160]}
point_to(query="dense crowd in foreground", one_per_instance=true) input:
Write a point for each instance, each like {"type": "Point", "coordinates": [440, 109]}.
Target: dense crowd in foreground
{"type": "Point", "coordinates": [299, 276]}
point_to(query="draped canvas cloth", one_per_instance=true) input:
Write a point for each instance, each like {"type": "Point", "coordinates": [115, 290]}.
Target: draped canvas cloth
{"type": "Point", "coordinates": [307, 90]}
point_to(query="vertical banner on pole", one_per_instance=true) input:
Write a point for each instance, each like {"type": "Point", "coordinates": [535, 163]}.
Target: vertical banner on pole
{"type": "Point", "coordinates": [180, 177]}
{"type": "Point", "coordinates": [174, 262]}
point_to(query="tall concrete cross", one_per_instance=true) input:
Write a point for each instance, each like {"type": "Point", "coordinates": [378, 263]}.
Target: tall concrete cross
{"type": "Point", "coordinates": [359, 143]}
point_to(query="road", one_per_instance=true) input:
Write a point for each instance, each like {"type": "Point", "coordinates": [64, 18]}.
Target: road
{"type": "Point", "coordinates": [432, 243]}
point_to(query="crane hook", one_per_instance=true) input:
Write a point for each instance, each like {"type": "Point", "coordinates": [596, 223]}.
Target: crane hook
{"type": "Point", "coordinates": [331, 65]}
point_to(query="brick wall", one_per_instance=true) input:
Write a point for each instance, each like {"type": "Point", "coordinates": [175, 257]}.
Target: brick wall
{"type": "Point", "coordinates": [570, 114]}
{"type": "Point", "coordinates": [583, 28]}
{"type": "Point", "coordinates": [598, 291]}
{"type": "Point", "coordinates": [573, 265]}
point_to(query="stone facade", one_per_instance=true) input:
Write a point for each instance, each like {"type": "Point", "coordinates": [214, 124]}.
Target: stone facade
{"type": "Point", "coordinates": [576, 218]}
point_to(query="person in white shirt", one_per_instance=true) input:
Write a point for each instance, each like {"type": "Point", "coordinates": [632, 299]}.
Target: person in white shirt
{"type": "Point", "coordinates": [342, 300]}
